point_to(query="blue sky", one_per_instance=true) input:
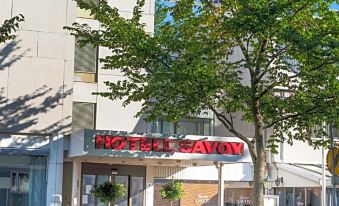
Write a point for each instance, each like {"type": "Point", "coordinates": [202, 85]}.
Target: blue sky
{"type": "Point", "coordinates": [335, 6]}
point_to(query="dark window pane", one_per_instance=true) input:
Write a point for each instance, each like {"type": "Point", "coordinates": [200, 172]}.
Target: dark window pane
{"type": "Point", "coordinates": [299, 196]}
{"type": "Point", "coordinates": [85, 58]}
{"type": "Point", "coordinates": [289, 197]}
{"type": "Point", "coordinates": [313, 196]}
{"type": "Point", "coordinates": [83, 116]}
{"type": "Point", "coordinates": [88, 182]}
{"type": "Point", "coordinates": [336, 133]}
{"type": "Point", "coordinates": [187, 127]}
{"type": "Point", "coordinates": [22, 181]}
{"type": "Point", "coordinates": [137, 190]}
{"type": "Point", "coordinates": [124, 200]}
{"type": "Point", "coordinates": [167, 128]}
{"type": "Point", "coordinates": [282, 196]}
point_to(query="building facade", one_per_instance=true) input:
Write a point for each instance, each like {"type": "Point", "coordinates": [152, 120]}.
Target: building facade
{"type": "Point", "coordinates": [51, 124]}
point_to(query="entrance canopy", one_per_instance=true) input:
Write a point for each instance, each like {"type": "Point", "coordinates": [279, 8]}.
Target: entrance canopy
{"type": "Point", "coordinates": [100, 143]}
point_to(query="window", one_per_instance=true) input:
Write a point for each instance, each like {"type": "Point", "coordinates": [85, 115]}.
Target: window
{"type": "Point", "coordinates": [196, 126]}
{"type": "Point", "coordinates": [19, 182]}
{"type": "Point", "coordinates": [22, 180]}
{"type": "Point", "coordinates": [83, 116]}
{"type": "Point", "coordinates": [85, 63]}
{"type": "Point", "coordinates": [290, 196]}
{"type": "Point", "coordinates": [82, 13]}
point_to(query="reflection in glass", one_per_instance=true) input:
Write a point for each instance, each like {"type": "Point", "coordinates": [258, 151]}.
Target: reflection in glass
{"type": "Point", "coordinates": [101, 179]}
{"type": "Point", "coordinates": [313, 196]}
{"type": "Point", "coordinates": [88, 182]}
{"type": "Point", "coordinates": [124, 200]}
{"type": "Point", "coordinates": [26, 180]}
{"type": "Point", "coordinates": [23, 182]}
{"type": "Point", "coordinates": [299, 196]}
{"type": "Point", "coordinates": [137, 190]}
{"type": "Point", "coordinates": [13, 182]}
{"type": "Point", "coordinates": [289, 196]}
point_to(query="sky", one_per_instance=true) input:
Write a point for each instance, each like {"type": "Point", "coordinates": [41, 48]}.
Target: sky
{"type": "Point", "coordinates": [335, 6]}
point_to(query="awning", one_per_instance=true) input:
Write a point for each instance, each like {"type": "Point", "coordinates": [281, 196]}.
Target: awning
{"type": "Point", "coordinates": [301, 175]}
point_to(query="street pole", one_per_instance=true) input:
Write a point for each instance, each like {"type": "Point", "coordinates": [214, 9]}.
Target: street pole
{"type": "Point", "coordinates": [221, 186]}
{"type": "Point", "coordinates": [333, 164]}
{"type": "Point", "coordinates": [323, 177]}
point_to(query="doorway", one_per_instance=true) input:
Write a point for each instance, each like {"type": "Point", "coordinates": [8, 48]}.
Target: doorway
{"type": "Point", "coordinates": [132, 177]}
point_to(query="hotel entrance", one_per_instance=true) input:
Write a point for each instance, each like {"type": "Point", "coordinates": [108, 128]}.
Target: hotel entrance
{"type": "Point", "coordinates": [132, 177]}
{"type": "Point", "coordinates": [137, 159]}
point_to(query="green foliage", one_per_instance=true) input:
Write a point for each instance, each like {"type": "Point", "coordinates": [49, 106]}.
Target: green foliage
{"type": "Point", "coordinates": [9, 26]}
{"type": "Point", "coordinates": [172, 190]}
{"type": "Point", "coordinates": [108, 192]}
{"type": "Point", "coordinates": [232, 58]}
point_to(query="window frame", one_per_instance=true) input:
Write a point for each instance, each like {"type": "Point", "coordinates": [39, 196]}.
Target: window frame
{"type": "Point", "coordinates": [96, 67]}
{"type": "Point", "coordinates": [94, 114]}
{"type": "Point", "coordinates": [199, 124]}
{"type": "Point", "coordinates": [16, 182]}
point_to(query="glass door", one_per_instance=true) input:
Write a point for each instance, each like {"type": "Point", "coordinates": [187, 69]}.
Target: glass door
{"type": "Point", "coordinates": [137, 190]}
{"type": "Point", "coordinates": [134, 195]}
{"type": "Point", "coordinates": [101, 179]}
{"type": "Point", "coordinates": [124, 200]}
{"type": "Point", "coordinates": [88, 182]}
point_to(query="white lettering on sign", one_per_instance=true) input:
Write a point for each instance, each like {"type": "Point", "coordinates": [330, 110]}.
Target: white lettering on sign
{"type": "Point", "coordinates": [201, 199]}
{"type": "Point", "coordinates": [244, 201]}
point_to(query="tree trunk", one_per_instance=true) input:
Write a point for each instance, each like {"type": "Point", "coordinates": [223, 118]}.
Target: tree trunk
{"type": "Point", "coordinates": [259, 162]}
{"type": "Point", "coordinates": [258, 178]}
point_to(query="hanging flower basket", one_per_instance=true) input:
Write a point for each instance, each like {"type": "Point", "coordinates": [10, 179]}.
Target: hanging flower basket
{"type": "Point", "coordinates": [171, 191]}
{"type": "Point", "coordinates": [108, 191]}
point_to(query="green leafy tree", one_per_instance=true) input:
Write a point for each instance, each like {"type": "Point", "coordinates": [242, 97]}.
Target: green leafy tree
{"type": "Point", "coordinates": [10, 25]}
{"type": "Point", "coordinates": [108, 192]}
{"type": "Point", "coordinates": [172, 190]}
{"type": "Point", "coordinates": [229, 57]}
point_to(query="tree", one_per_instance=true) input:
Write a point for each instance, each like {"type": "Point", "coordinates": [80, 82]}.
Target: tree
{"type": "Point", "coordinates": [9, 26]}
{"type": "Point", "coordinates": [229, 57]}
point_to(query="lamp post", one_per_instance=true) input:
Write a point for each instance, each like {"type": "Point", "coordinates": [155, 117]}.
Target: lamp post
{"type": "Point", "coordinates": [267, 184]}
{"type": "Point", "coordinates": [333, 165]}
{"type": "Point", "coordinates": [323, 176]}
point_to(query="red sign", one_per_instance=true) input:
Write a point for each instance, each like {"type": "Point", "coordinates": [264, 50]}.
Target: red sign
{"type": "Point", "coordinates": [167, 145]}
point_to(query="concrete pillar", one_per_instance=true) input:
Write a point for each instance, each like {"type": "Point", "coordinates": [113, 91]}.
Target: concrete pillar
{"type": "Point", "coordinates": [55, 171]}
{"type": "Point", "coordinates": [76, 181]}
{"type": "Point", "coordinates": [149, 186]}
{"type": "Point", "coordinates": [221, 185]}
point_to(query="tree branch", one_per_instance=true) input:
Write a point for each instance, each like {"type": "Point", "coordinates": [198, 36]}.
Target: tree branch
{"type": "Point", "coordinates": [288, 117]}
{"type": "Point", "coordinates": [226, 123]}
{"type": "Point", "coordinates": [314, 68]}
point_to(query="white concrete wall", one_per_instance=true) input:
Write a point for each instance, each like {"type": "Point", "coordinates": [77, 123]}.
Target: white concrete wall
{"type": "Point", "coordinates": [300, 152]}
{"type": "Point", "coordinates": [110, 115]}
{"type": "Point", "coordinates": [36, 68]}
{"type": "Point", "coordinates": [231, 172]}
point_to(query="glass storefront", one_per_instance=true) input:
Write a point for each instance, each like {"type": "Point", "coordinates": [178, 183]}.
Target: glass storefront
{"type": "Point", "coordinates": [299, 196]}
{"type": "Point", "coordinates": [237, 196]}
{"type": "Point", "coordinates": [196, 196]}
{"type": "Point", "coordinates": [22, 180]}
